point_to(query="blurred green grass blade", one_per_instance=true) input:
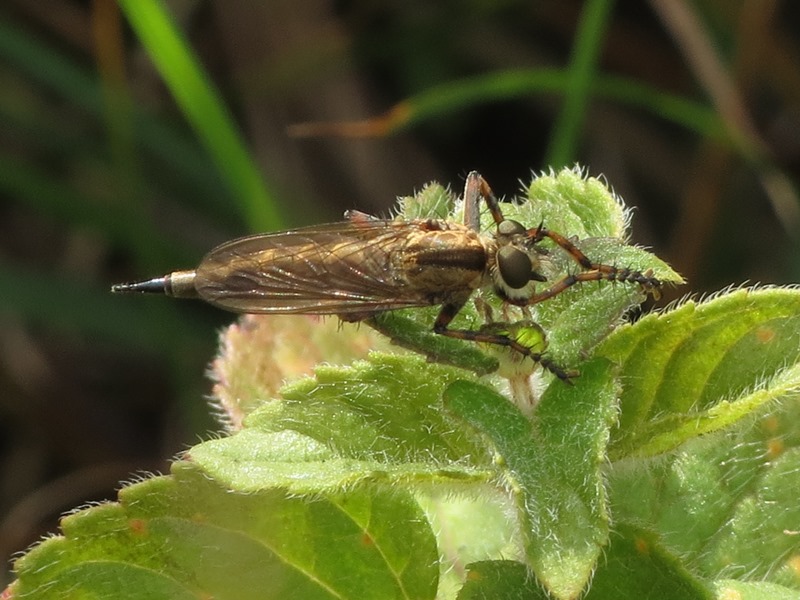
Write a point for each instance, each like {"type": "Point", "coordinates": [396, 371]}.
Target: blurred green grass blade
{"type": "Point", "coordinates": [695, 116]}
{"type": "Point", "coordinates": [568, 126]}
{"type": "Point", "coordinates": [203, 108]}
{"type": "Point", "coordinates": [170, 148]}
{"type": "Point", "coordinates": [464, 93]}
{"type": "Point", "coordinates": [520, 83]}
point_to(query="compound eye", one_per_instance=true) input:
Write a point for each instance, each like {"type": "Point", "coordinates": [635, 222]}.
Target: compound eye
{"type": "Point", "coordinates": [509, 227]}
{"type": "Point", "coordinates": [515, 266]}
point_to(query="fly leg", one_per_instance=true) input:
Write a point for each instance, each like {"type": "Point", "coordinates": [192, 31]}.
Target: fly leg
{"type": "Point", "coordinates": [593, 271]}
{"type": "Point", "coordinates": [475, 190]}
{"type": "Point", "coordinates": [450, 310]}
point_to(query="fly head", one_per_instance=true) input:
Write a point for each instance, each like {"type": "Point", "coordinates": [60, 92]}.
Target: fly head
{"type": "Point", "coordinates": [515, 267]}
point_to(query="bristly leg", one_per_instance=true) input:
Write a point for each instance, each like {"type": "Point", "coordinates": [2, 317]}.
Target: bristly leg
{"type": "Point", "coordinates": [476, 189]}
{"type": "Point", "coordinates": [475, 180]}
{"type": "Point", "coordinates": [603, 273]}
{"type": "Point", "coordinates": [450, 310]}
{"type": "Point", "coordinates": [593, 271]}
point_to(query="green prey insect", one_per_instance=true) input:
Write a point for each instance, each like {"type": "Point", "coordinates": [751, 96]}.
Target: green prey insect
{"type": "Point", "coordinates": [364, 266]}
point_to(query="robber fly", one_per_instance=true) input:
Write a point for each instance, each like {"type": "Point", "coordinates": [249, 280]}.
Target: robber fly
{"type": "Point", "coordinates": [364, 266]}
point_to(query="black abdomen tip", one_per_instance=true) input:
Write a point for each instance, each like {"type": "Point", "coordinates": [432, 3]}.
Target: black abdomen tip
{"type": "Point", "coordinates": [150, 286]}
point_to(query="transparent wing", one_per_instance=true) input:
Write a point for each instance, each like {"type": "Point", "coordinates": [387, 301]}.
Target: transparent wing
{"type": "Point", "coordinates": [339, 268]}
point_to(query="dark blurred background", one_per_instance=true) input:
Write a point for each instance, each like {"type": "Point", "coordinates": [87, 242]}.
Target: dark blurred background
{"type": "Point", "coordinates": [691, 110]}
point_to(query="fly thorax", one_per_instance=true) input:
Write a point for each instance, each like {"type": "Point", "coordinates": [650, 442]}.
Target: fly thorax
{"type": "Point", "coordinates": [515, 263]}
